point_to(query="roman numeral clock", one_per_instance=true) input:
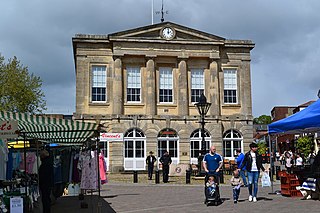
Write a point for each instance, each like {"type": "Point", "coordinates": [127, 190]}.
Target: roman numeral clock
{"type": "Point", "coordinates": [167, 33]}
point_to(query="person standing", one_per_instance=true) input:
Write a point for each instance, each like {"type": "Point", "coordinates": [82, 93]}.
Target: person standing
{"type": "Point", "coordinates": [236, 183]}
{"type": "Point", "coordinates": [212, 163]}
{"type": "Point", "coordinates": [253, 163]}
{"type": "Point", "coordinates": [151, 159]}
{"type": "Point", "coordinates": [45, 180]}
{"type": "Point", "coordinates": [239, 161]}
{"type": "Point", "coordinates": [165, 160]}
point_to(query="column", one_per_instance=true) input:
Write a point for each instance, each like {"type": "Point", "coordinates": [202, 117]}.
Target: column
{"type": "Point", "coordinates": [151, 98]}
{"type": "Point", "coordinates": [183, 94]}
{"type": "Point", "coordinates": [117, 93]}
{"type": "Point", "coordinates": [214, 93]}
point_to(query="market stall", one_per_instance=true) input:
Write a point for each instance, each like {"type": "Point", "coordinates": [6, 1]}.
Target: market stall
{"type": "Point", "coordinates": [44, 130]}
{"type": "Point", "coordinates": [305, 121]}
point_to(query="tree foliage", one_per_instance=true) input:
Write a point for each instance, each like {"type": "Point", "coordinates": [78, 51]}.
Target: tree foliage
{"type": "Point", "coordinates": [305, 145]}
{"type": "Point", "coordinates": [20, 91]}
{"type": "Point", "coordinates": [263, 119]}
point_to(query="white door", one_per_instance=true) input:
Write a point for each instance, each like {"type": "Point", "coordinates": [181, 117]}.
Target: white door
{"type": "Point", "coordinates": [134, 150]}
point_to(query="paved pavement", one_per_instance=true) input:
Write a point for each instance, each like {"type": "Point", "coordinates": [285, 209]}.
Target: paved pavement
{"type": "Point", "coordinates": [180, 198]}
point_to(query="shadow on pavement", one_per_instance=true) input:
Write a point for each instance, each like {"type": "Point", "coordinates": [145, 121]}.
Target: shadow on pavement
{"type": "Point", "coordinates": [72, 204]}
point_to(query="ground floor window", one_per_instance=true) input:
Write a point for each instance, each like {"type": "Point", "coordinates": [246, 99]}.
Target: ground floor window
{"type": "Point", "coordinates": [232, 140]}
{"type": "Point", "coordinates": [168, 140]}
{"type": "Point", "coordinates": [196, 144]}
{"type": "Point", "coordinates": [134, 150]}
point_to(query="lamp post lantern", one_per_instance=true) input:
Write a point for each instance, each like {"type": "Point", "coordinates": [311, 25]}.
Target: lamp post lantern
{"type": "Point", "coordinates": [203, 107]}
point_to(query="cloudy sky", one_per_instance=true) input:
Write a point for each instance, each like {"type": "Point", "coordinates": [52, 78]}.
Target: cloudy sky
{"type": "Point", "coordinates": [285, 69]}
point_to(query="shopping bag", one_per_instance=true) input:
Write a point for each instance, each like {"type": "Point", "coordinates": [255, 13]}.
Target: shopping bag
{"type": "Point", "coordinates": [265, 180]}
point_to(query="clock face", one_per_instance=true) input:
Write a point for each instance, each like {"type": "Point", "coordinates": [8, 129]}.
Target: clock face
{"type": "Point", "coordinates": [167, 33]}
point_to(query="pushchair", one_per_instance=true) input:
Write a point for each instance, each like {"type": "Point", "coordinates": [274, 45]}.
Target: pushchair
{"type": "Point", "coordinates": [212, 197]}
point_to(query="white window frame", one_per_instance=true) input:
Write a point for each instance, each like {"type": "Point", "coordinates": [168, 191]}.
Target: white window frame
{"type": "Point", "coordinates": [134, 163]}
{"type": "Point", "coordinates": [99, 81]}
{"type": "Point", "coordinates": [167, 140]}
{"type": "Point", "coordinates": [233, 136]}
{"type": "Point", "coordinates": [196, 138]}
{"type": "Point", "coordinates": [166, 83]}
{"type": "Point", "coordinates": [134, 83]}
{"type": "Point", "coordinates": [230, 85]}
{"type": "Point", "coordinates": [197, 84]}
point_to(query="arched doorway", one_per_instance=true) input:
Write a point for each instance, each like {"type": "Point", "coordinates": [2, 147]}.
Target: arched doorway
{"type": "Point", "coordinates": [196, 145]}
{"type": "Point", "coordinates": [134, 150]}
{"type": "Point", "coordinates": [168, 140]}
{"type": "Point", "coordinates": [232, 140]}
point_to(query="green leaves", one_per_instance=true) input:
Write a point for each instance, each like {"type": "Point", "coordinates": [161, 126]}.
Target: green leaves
{"type": "Point", "coordinates": [305, 145]}
{"type": "Point", "coordinates": [263, 119]}
{"type": "Point", "coordinates": [20, 91]}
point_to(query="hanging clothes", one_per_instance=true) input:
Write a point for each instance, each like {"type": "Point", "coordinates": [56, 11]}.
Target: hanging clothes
{"type": "Point", "coordinates": [31, 160]}
{"type": "Point", "coordinates": [10, 164]}
{"type": "Point", "coordinates": [102, 169]}
{"type": "Point", "coordinates": [16, 160]}
{"type": "Point", "coordinates": [3, 159]}
{"type": "Point", "coordinates": [75, 170]}
{"type": "Point", "coordinates": [57, 176]}
{"type": "Point", "coordinates": [89, 170]}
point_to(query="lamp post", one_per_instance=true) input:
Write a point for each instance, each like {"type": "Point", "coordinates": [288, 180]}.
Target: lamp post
{"type": "Point", "coordinates": [203, 107]}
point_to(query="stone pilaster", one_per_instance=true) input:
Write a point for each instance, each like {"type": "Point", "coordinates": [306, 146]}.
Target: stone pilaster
{"type": "Point", "coordinates": [214, 89]}
{"type": "Point", "coordinates": [183, 95]}
{"type": "Point", "coordinates": [150, 97]}
{"type": "Point", "coordinates": [117, 93]}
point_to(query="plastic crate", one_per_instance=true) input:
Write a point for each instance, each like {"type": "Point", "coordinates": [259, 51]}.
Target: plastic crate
{"type": "Point", "coordinates": [294, 182]}
{"type": "Point", "coordinates": [295, 193]}
{"type": "Point", "coordinates": [285, 186]}
{"type": "Point", "coordinates": [286, 192]}
{"type": "Point", "coordinates": [284, 180]}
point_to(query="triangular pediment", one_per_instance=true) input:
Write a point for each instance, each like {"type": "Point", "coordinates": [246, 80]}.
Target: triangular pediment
{"type": "Point", "coordinates": [153, 32]}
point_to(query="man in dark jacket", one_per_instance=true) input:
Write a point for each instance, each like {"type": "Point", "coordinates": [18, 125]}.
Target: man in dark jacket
{"type": "Point", "coordinates": [151, 159]}
{"type": "Point", "coordinates": [165, 160]}
{"type": "Point", "coordinates": [253, 163]}
{"type": "Point", "coordinates": [45, 180]}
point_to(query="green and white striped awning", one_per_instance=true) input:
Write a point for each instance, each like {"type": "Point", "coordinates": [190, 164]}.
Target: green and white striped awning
{"type": "Point", "coordinates": [51, 130]}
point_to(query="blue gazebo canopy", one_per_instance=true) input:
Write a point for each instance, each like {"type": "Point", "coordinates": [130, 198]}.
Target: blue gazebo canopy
{"type": "Point", "coordinates": [307, 120]}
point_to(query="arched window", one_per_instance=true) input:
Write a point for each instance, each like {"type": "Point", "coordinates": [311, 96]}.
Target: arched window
{"type": "Point", "coordinates": [134, 149]}
{"type": "Point", "coordinates": [168, 141]}
{"type": "Point", "coordinates": [196, 145]}
{"type": "Point", "coordinates": [232, 140]}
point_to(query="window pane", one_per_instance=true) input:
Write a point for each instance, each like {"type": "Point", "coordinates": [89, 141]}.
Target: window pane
{"type": "Point", "coordinates": [99, 83]}
{"type": "Point", "coordinates": [230, 86]}
{"type": "Point", "coordinates": [134, 84]}
{"type": "Point", "coordinates": [166, 85]}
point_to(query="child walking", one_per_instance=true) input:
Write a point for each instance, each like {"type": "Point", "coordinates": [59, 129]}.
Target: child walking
{"type": "Point", "coordinates": [236, 182]}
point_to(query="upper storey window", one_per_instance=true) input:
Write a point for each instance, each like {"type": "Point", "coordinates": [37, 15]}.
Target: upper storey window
{"type": "Point", "coordinates": [134, 84]}
{"type": "Point", "coordinates": [166, 85]}
{"type": "Point", "coordinates": [230, 86]}
{"type": "Point", "coordinates": [99, 84]}
{"type": "Point", "coordinates": [197, 84]}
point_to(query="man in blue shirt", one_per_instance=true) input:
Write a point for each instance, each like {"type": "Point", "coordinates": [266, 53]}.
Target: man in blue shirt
{"type": "Point", "coordinates": [212, 162]}
{"type": "Point", "coordinates": [239, 160]}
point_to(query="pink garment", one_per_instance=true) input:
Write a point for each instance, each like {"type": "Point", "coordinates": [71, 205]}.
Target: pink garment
{"type": "Point", "coordinates": [89, 178]}
{"type": "Point", "coordinates": [31, 159]}
{"type": "Point", "coordinates": [102, 169]}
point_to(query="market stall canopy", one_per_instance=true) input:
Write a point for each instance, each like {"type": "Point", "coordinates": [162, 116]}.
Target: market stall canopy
{"type": "Point", "coordinates": [307, 120]}
{"type": "Point", "coordinates": [51, 130]}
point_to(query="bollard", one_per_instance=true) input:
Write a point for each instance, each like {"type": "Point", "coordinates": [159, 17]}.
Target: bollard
{"type": "Point", "coordinates": [188, 176]}
{"type": "Point", "coordinates": [135, 176]}
{"type": "Point", "coordinates": [221, 177]}
{"type": "Point", "coordinates": [157, 179]}
{"type": "Point", "coordinates": [277, 172]}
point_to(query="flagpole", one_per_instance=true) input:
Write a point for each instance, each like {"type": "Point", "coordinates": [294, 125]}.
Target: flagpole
{"type": "Point", "coordinates": [152, 1]}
